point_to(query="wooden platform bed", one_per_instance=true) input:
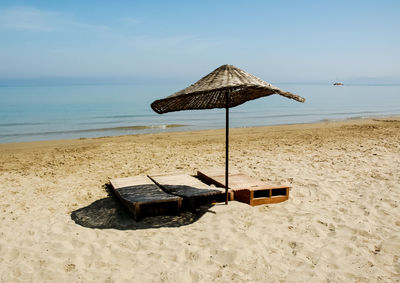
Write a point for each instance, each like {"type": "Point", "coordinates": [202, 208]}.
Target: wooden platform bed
{"type": "Point", "coordinates": [144, 198]}
{"type": "Point", "coordinates": [170, 193]}
{"type": "Point", "coordinates": [194, 192]}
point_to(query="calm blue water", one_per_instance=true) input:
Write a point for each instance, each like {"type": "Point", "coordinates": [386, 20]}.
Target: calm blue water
{"type": "Point", "coordinates": [31, 113]}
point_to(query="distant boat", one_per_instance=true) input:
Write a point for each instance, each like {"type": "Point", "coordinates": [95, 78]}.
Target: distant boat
{"type": "Point", "coordinates": [337, 83]}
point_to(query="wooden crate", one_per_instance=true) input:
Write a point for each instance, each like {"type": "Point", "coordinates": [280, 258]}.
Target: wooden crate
{"type": "Point", "coordinates": [262, 195]}
{"type": "Point", "coordinates": [244, 188]}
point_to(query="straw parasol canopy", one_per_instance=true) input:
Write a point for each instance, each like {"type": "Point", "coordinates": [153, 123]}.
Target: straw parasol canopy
{"type": "Point", "coordinates": [212, 91]}
{"type": "Point", "coordinates": [225, 87]}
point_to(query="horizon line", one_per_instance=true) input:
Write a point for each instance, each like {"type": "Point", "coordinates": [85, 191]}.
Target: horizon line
{"type": "Point", "coordinates": [109, 80]}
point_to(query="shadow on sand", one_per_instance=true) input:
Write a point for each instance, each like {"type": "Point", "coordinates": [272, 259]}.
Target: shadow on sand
{"type": "Point", "coordinates": [108, 213]}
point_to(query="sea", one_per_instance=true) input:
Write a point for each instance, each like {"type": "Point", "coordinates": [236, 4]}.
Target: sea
{"type": "Point", "coordinates": [72, 111]}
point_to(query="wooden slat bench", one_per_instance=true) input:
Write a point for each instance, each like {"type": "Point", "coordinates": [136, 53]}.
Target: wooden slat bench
{"type": "Point", "coordinates": [144, 198]}
{"type": "Point", "coordinates": [245, 189]}
{"type": "Point", "coordinates": [192, 190]}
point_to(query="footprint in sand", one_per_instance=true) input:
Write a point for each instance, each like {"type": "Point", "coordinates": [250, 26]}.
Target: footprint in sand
{"type": "Point", "coordinates": [295, 246]}
{"type": "Point", "coordinates": [396, 263]}
{"type": "Point", "coordinates": [69, 267]}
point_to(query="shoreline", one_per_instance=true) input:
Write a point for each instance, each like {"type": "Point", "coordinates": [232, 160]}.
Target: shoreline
{"type": "Point", "coordinates": [172, 128]}
{"type": "Point", "coordinates": [79, 140]}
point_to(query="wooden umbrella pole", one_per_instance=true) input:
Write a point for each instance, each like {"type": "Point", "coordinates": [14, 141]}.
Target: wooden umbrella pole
{"type": "Point", "coordinates": [226, 146]}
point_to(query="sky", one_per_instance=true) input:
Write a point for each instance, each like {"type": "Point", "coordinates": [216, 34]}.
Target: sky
{"type": "Point", "coordinates": [278, 41]}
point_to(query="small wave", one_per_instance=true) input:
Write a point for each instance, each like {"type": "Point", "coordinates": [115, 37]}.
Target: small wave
{"type": "Point", "coordinates": [125, 116]}
{"type": "Point", "coordinates": [352, 113]}
{"type": "Point", "coordinates": [102, 123]}
{"type": "Point", "coordinates": [19, 124]}
{"type": "Point", "coordinates": [346, 118]}
{"type": "Point", "coordinates": [126, 128]}
{"type": "Point", "coordinates": [312, 114]}
{"type": "Point", "coordinates": [329, 120]}
{"type": "Point", "coordinates": [285, 115]}
{"type": "Point", "coordinates": [137, 127]}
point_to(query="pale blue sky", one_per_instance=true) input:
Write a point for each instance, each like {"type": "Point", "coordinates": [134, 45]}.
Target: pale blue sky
{"type": "Point", "coordinates": [279, 41]}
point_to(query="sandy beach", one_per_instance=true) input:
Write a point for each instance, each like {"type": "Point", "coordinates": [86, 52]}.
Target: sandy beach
{"type": "Point", "coordinates": [341, 223]}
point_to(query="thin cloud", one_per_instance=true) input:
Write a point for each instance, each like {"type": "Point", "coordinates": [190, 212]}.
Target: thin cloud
{"type": "Point", "coordinates": [27, 19]}
{"type": "Point", "coordinates": [35, 20]}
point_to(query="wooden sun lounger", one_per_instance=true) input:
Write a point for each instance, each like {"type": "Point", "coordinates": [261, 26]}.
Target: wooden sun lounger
{"type": "Point", "coordinates": [192, 190]}
{"type": "Point", "coordinates": [144, 198]}
{"type": "Point", "coordinates": [245, 189]}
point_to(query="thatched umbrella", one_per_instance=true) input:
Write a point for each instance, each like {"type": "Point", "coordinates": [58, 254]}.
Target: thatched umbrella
{"type": "Point", "coordinates": [225, 87]}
